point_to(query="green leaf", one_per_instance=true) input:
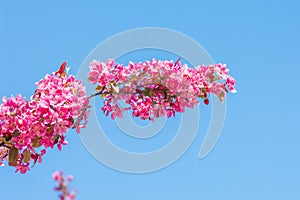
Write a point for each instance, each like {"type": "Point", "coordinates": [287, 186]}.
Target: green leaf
{"type": "Point", "coordinates": [26, 156]}
{"type": "Point", "coordinates": [55, 138]}
{"type": "Point", "coordinates": [99, 88]}
{"type": "Point", "coordinates": [146, 92]}
{"type": "Point", "coordinates": [72, 120]}
{"type": "Point", "coordinates": [151, 94]}
{"type": "Point", "coordinates": [50, 129]}
{"type": "Point", "coordinates": [13, 156]}
{"type": "Point", "coordinates": [36, 142]}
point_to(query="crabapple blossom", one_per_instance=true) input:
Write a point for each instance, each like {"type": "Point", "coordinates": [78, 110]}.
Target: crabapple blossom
{"type": "Point", "coordinates": [29, 127]}
{"type": "Point", "coordinates": [151, 89]}
{"type": "Point", "coordinates": [156, 88]}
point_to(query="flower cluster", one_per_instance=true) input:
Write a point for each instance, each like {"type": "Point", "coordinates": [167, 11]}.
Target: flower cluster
{"type": "Point", "coordinates": [156, 88]}
{"type": "Point", "coordinates": [28, 128]}
{"type": "Point", "coordinates": [151, 89]}
{"type": "Point", "coordinates": [62, 186]}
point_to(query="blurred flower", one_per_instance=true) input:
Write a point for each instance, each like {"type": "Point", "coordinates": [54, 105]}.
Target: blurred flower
{"type": "Point", "coordinates": [62, 186]}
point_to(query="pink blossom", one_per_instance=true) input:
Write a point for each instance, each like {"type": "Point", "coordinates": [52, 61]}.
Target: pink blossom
{"type": "Point", "coordinates": [62, 186]}
{"type": "Point", "coordinates": [41, 123]}
{"type": "Point", "coordinates": [151, 89]}
{"type": "Point", "coordinates": [56, 175]}
{"type": "Point", "coordinates": [156, 88]}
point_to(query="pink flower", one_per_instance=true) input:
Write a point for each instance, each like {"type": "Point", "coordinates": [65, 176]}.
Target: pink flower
{"type": "Point", "coordinates": [62, 186]}
{"type": "Point", "coordinates": [56, 175]}
{"type": "Point", "coordinates": [22, 168]}
{"type": "Point", "coordinates": [42, 122]}
{"type": "Point", "coordinates": [151, 89]}
{"type": "Point", "coordinates": [70, 178]}
{"type": "Point", "coordinates": [156, 88]}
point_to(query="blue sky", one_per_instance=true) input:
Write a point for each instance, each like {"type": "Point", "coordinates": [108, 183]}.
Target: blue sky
{"type": "Point", "coordinates": [257, 156]}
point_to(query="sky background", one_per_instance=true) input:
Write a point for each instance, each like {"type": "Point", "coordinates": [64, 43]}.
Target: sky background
{"type": "Point", "coordinates": [257, 156]}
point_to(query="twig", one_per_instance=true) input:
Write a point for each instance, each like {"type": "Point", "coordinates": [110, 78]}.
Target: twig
{"type": "Point", "coordinates": [177, 61]}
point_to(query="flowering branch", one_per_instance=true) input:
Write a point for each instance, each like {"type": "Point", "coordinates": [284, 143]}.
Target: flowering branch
{"type": "Point", "coordinates": [28, 128]}
{"type": "Point", "coordinates": [151, 89]}
{"type": "Point", "coordinates": [156, 88]}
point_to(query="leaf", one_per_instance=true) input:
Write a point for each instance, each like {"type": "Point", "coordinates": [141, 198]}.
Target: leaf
{"type": "Point", "coordinates": [16, 133]}
{"type": "Point", "coordinates": [55, 138]}
{"type": "Point", "coordinates": [99, 88]}
{"type": "Point", "coordinates": [50, 129]}
{"type": "Point", "coordinates": [221, 96]}
{"type": "Point", "coordinates": [156, 80]}
{"type": "Point", "coordinates": [36, 142]}
{"type": "Point", "coordinates": [13, 156]}
{"type": "Point", "coordinates": [26, 156]}
{"type": "Point", "coordinates": [72, 120]}
{"type": "Point", "coordinates": [161, 91]}
{"type": "Point", "coordinates": [146, 92]}
{"type": "Point", "coordinates": [151, 94]}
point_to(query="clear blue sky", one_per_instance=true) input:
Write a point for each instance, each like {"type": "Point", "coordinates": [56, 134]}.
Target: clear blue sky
{"type": "Point", "coordinates": [257, 156]}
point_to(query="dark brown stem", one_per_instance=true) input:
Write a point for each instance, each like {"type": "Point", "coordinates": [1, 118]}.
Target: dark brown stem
{"type": "Point", "coordinates": [5, 145]}
{"type": "Point", "coordinates": [93, 95]}
{"type": "Point", "coordinates": [177, 61]}
{"type": "Point", "coordinates": [98, 93]}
